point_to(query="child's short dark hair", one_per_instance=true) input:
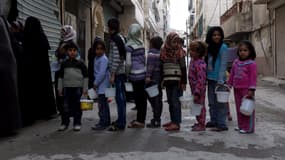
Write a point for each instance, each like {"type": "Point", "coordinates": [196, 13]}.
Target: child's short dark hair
{"type": "Point", "coordinates": [99, 42]}
{"type": "Point", "coordinates": [71, 45]}
{"type": "Point", "coordinates": [156, 42]}
{"type": "Point", "coordinates": [199, 47]}
{"type": "Point", "coordinates": [114, 24]}
{"type": "Point", "coordinates": [249, 45]}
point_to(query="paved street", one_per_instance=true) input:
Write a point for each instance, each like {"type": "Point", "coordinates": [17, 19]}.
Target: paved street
{"type": "Point", "coordinates": [43, 142]}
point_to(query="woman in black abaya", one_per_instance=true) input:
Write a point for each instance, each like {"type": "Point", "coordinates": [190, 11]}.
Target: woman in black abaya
{"type": "Point", "coordinates": [9, 107]}
{"type": "Point", "coordinates": [38, 101]}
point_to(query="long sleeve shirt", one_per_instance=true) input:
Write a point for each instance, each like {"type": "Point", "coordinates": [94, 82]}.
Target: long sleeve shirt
{"type": "Point", "coordinates": [243, 74]}
{"type": "Point", "coordinates": [101, 74]}
{"type": "Point", "coordinates": [116, 63]}
{"type": "Point", "coordinates": [197, 77]}
{"type": "Point", "coordinates": [153, 70]}
{"type": "Point", "coordinates": [73, 73]}
{"type": "Point", "coordinates": [136, 63]}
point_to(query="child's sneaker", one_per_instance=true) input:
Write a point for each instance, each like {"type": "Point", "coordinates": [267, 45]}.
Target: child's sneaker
{"type": "Point", "coordinates": [153, 124]}
{"type": "Point", "coordinates": [245, 132]}
{"type": "Point", "coordinates": [77, 128]}
{"type": "Point", "coordinates": [237, 129]}
{"type": "Point", "coordinates": [62, 127]}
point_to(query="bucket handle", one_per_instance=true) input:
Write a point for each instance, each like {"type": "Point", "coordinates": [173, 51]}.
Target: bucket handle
{"type": "Point", "coordinates": [253, 98]}
{"type": "Point", "coordinates": [225, 85]}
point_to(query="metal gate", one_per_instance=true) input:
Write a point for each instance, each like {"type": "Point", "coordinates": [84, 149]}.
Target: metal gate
{"type": "Point", "coordinates": [47, 11]}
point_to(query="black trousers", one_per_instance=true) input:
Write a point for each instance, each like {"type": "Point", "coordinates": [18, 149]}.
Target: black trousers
{"type": "Point", "coordinates": [140, 99]}
{"type": "Point", "coordinates": [71, 106]}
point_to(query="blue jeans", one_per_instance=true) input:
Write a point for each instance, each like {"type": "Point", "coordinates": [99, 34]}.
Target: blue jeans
{"type": "Point", "coordinates": [173, 93]}
{"type": "Point", "coordinates": [104, 111]}
{"type": "Point", "coordinates": [218, 111]}
{"type": "Point", "coordinates": [71, 106]}
{"type": "Point", "coordinates": [121, 100]}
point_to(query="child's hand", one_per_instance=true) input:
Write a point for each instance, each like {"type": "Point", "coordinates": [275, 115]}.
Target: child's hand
{"type": "Point", "coordinates": [112, 79]}
{"type": "Point", "coordinates": [147, 80]}
{"type": "Point", "coordinates": [60, 93]}
{"type": "Point", "coordinates": [196, 99]}
{"type": "Point", "coordinates": [85, 94]}
{"type": "Point", "coordinates": [162, 84]}
{"type": "Point", "coordinates": [250, 94]}
{"type": "Point", "coordinates": [183, 87]}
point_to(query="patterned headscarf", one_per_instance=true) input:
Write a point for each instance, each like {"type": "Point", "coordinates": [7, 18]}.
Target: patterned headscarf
{"type": "Point", "coordinates": [168, 53]}
{"type": "Point", "coordinates": [68, 33]}
{"type": "Point", "coordinates": [134, 35]}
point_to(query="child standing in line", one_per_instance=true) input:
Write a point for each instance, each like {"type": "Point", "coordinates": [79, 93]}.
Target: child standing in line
{"type": "Point", "coordinates": [243, 79]}
{"type": "Point", "coordinates": [101, 82]}
{"type": "Point", "coordinates": [153, 76]}
{"type": "Point", "coordinates": [174, 78]}
{"type": "Point", "coordinates": [197, 80]}
{"type": "Point", "coordinates": [73, 81]}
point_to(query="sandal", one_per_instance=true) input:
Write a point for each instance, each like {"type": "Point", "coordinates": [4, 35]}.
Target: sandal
{"type": "Point", "coordinates": [167, 124]}
{"type": "Point", "coordinates": [198, 128]}
{"type": "Point", "coordinates": [172, 127]}
{"type": "Point", "coordinates": [136, 124]}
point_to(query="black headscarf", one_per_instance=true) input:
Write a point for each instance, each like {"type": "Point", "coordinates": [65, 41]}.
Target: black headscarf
{"type": "Point", "coordinates": [214, 48]}
{"type": "Point", "coordinates": [34, 34]}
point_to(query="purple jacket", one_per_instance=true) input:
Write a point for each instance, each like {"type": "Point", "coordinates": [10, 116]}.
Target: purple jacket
{"type": "Point", "coordinates": [243, 74]}
{"type": "Point", "coordinates": [153, 70]}
{"type": "Point", "coordinates": [137, 64]}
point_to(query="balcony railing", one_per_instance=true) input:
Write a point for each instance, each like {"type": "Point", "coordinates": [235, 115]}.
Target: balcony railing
{"type": "Point", "coordinates": [236, 8]}
{"type": "Point", "coordinates": [238, 19]}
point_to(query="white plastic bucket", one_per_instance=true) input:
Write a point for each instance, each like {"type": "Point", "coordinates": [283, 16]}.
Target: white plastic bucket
{"type": "Point", "coordinates": [92, 94]}
{"type": "Point", "coordinates": [110, 92]}
{"type": "Point", "coordinates": [129, 87]}
{"type": "Point", "coordinates": [247, 106]}
{"type": "Point", "coordinates": [196, 109]}
{"type": "Point", "coordinates": [152, 91]}
{"type": "Point", "coordinates": [223, 96]}
{"type": "Point", "coordinates": [186, 101]}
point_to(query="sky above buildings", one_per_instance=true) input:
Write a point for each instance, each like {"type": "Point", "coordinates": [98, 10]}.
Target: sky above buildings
{"type": "Point", "coordinates": [178, 14]}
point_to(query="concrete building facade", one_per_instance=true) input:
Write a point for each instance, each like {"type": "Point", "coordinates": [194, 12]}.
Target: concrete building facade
{"type": "Point", "coordinates": [261, 22]}
{"type": "Point", "coordinates": [204, 14]}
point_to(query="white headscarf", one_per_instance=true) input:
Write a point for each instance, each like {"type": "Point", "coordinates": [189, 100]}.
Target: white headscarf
{"type": "Point", "coordinates": [134, 35]}
{"type": "Point", "coordinates": [68, 33]}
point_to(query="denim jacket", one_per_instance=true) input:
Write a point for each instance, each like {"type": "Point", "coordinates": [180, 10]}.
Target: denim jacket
{"type": "Point", "coordinates": [218, 73]}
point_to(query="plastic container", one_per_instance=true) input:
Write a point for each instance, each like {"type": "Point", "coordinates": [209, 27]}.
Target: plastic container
{"type": "Point", "coordinates": [152, 91]}
{"type": "Point", "coordinates": [129, 87]}
{"type": "Point", "coordinates": [196, 109]}
{"type": "Point", "coordinates": [247, 106]}
{"type": "Point", "coordinates": [92, 94]}
{"type": "Point", "coordinates": [86, 104]}
{"type": "Point", "coordinates": [223, 95]}
{"type": "Point", "coordinates": [110, 92]}
{"type": "Point", "coordinates": [186, 101]}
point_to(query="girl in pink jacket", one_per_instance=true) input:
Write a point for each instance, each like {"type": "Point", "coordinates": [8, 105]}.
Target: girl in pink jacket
{"type": "Point", "coordinates": [243, 79]}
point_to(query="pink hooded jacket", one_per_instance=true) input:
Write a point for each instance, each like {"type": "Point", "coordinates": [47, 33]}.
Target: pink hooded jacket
{"type": "Point", "coordinates": [243, 74]}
